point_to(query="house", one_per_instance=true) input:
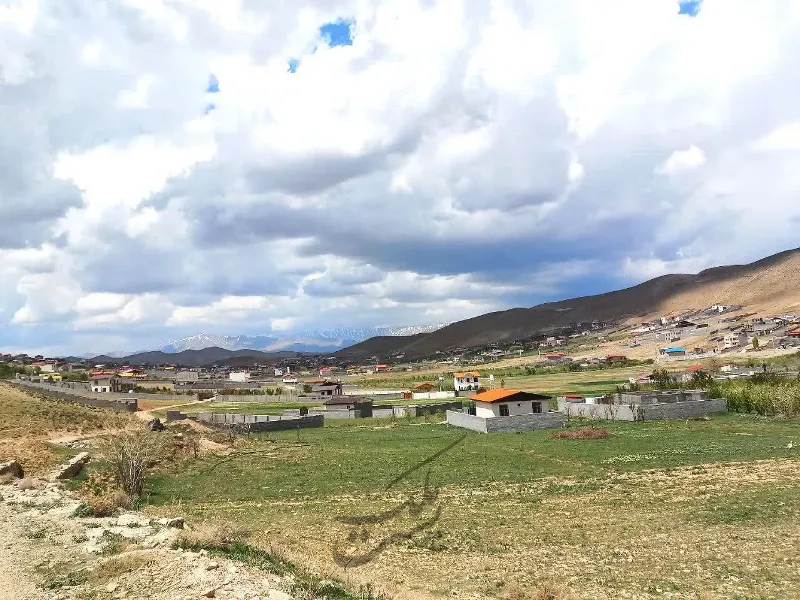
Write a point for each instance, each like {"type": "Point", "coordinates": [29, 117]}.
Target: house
{"type": "Point", "coordinates": [381, 368]}
{"type": "Point", "coordinates": [325, 371]}
{"type": "Point", "coordinates": [616, 358]}
{"type": "Point", "coordinates": [187, 376]}
{"type": "Point", "coordinates": [239, 376]}
{"type": "Point", "coordinates": [509, 403]}
{"type": "Point", "coordinates": [342, 402]}
{"type": "Point", "coordinates": [290, 379]}
{"type": "Point", "coordinates": [278, 372]}
{"type": "Point", "coordinates": [101, 382]}
{"type": "Point", "coordinates": [688, 374]}
{"type": "Point", "coordinates": [795, 333]}
{"type": "Point", "coordinates": [736, 339]}
{"type": "Point", "coordinates": [425, 386]}
{"type": "Point", "coordinates": [327, 389]}
{"type": "Point", "coordinates": [44, 367]}
{"type": "Point", "coordinates": [132, 373]}
{"type": "Point", "coordinates": [466, 382]}
{"type": "Point", "coordinates": [674, 351]}
{"type": "Point", "coordinates": [555, 356]}
{"type": "Point", "coordinates": [669, 335]}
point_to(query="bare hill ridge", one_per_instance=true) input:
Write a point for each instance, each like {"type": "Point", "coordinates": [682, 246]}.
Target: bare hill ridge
{"type": "Point", "coordinates": [769, 285]}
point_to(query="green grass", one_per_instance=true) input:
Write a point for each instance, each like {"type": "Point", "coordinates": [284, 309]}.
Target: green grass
{"type": "Point", "coordinates": [667, 493]}
{"type": "Point", "coordinates": [362, 459]}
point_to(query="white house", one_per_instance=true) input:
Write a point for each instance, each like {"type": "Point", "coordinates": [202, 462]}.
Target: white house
{"type": "Point", "coordinates": [670, 335]}
{"type": "Point", "coordinates": [278, 372]}
{"type": "Point", "coordinates": [239, 376]}
{"type": "Point", "coordinates": [466, 382]}
{"type": "Point", "coordinates": [102, 382]}
{"type": "Point", "coordinates": [737, 339]}
{"type": "Point", "coordinates": [508, 403]}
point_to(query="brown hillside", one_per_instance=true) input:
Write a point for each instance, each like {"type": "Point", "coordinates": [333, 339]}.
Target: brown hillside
{"type": "Point", "coordinates": [769, 285]}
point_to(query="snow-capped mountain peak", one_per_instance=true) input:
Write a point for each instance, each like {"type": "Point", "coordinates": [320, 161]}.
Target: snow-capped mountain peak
{"type": "Point", "coordinates": [309, 341]}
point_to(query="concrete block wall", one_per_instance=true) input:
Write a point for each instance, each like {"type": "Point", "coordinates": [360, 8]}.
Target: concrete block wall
{"type": "Point", "coordinates": [645, 412]}
{"type": "Point", "coordinates": [467, 421]}
{"type": "Point", "coordinates": [525, 422]}
{"type": "Point", "coordinates": [514, 424]}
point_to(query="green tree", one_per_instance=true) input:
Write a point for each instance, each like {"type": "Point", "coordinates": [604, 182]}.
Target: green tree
{"type": "Point", "coordinates": [755, 343]}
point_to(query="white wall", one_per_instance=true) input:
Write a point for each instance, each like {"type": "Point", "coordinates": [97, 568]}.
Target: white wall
{"type": "Point", "coordinates": [486, 409]}
{"type": "Point", "coordinates": [241, 377]}
{"type": "Point", "coordinates": [432, 395]}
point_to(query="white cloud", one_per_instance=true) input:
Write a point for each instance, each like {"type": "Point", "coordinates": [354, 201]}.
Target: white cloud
{"type": "Point", "coordinates": [459, 157]}
{"type": "Point", "coordinates": [681, 161]}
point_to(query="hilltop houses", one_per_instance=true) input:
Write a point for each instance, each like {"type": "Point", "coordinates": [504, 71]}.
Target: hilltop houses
{"type": "Point", "coordinates": [736, 339]}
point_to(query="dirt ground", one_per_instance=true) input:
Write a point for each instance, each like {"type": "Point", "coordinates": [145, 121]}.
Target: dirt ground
{"type": "Point", "coordinates": [46, 554]}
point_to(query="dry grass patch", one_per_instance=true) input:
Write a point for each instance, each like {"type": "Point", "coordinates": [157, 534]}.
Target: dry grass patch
{"type": "Point", "coordinates": [218, 536]}
{"type": "Point", "coordinates": [119, 565]}
{"type": "Point", "coordinates": [584, 433]}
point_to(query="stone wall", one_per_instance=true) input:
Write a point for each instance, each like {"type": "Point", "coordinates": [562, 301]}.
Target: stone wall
{"type": "Point", "coordinates": [127, 405]}
{"type": "Point", "coordinates": [513, 424]}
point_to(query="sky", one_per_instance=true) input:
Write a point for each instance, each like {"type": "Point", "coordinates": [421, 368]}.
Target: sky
{"type": "Point", "coordinates": [175, 166]}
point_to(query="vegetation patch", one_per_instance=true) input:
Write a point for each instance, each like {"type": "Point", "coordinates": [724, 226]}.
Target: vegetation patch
{"type": "Point", "coordinates": [584, 433]}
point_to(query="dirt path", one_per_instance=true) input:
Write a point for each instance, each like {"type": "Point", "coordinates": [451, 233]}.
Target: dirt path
{"type": "Point", "coordinates": [147, 415]}
{"type": "Point", "coordinates": [48, 554]}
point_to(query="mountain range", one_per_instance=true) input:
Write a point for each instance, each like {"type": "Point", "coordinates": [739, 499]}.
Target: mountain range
{"type": "Point", "coordinates": [310, 341]}
{"type": "Point", "coordinates": [767, 286]}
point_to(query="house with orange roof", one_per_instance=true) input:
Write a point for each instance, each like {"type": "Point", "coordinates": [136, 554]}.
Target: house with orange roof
{"type": "Point", "coordinates": [506, 411]}
{"type": "Point", "coordinates": [467, 382]}
{"type": "Point", "coordinates": [503, 402]}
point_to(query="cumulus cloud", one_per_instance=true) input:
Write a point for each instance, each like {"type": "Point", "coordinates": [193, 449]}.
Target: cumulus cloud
{"type": "Point", "coordinates": [455, 158]}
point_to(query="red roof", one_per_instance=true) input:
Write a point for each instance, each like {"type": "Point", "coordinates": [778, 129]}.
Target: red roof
{"type": "Point", "coordinates": [555, 355]}
{"type": "Point", "coordinates": [573, 396]}
{"type": "Point", "coordinates": [795, 332]}
{"type": "Point", "coordinates": [695, 368]}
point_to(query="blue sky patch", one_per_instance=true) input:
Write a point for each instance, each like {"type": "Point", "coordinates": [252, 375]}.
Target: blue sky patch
{"type": "Point", "coordinates": [213, 84]}
{"type": "Point", "coordinates": [689, 7]}
{"type": "Point", "coordinates": [293, 63]}
{"type": "Point", "coordinates": [338, 33]}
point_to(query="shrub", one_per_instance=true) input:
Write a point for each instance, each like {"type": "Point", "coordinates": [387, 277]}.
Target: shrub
{"type": "Point", "coordinates": [584, 433]}
{"type": "Point", "coordinates": [130, 454]}
{"type": "Point", "coordinates": [219, 537]}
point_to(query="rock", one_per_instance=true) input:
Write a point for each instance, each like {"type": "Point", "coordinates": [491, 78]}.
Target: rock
{"type": "Point", "coordinates": [112, 587]}
{"type": "Point", "coordinates": [71, 468]}
{"type": "Point", "coordinates": [210, 593]}
{"type": "Point", "coordinates": [155, 425]}
{"type": "Point", "coordinates": [212, 565]}
{"type": "Point", "coordinates": [278, 595]}
{"type": "Point", "coordinates": [12, 468]}
{"type": "Point", "coordinates": [176, 522]}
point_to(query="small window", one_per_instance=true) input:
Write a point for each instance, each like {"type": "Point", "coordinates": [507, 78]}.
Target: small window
{"type": "Point", "coordinates": [536, 407]}
{"type": "Point", "coordinates": [504, 410]}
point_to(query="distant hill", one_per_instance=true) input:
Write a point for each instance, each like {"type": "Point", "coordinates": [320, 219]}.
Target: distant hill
{"type": "Point", "coordinates": [769, 285]}
{"type": "Point", "coordinates": [195, 358]}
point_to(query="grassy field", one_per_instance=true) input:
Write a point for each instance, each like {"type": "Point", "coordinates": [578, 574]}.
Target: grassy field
{"type": "Point", "coordinates": [697, 509]}
{"type": "Point", "coordinates": [29, 421]}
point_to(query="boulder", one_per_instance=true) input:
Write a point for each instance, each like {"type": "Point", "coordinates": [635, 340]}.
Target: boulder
{"type": "Point", "coordinates": [73, 467]}
{"type": "Point", "coordinates": [176, 522]}
{"type": "Point", "coordinates": [12, 468]}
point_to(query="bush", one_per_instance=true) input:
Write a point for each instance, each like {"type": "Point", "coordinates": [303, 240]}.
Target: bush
{"type": "Point", "coordinates": [220, 537]}
{"type": "Point", "coordinates": [130, 454]}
